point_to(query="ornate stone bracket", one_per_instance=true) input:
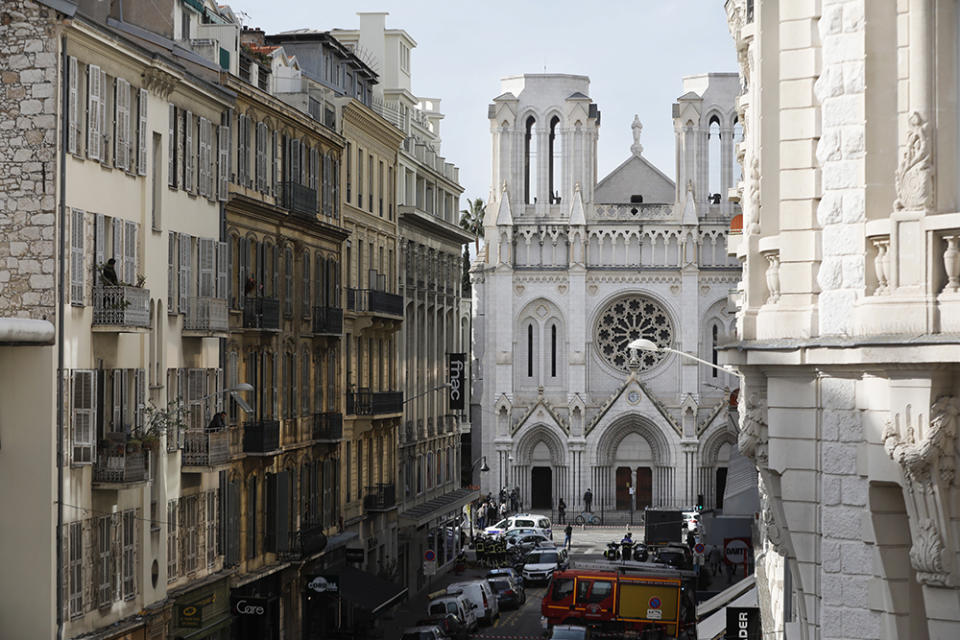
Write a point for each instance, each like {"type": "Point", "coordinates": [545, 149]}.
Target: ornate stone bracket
{"type": "Point", "coordinates": [928, 462]}
{"type": "Point", "coordinates": [915, 174]}
{"type": "Point", "coordinates": [752, 439]}
{"type": "Point", "coordinates": [159, 81]}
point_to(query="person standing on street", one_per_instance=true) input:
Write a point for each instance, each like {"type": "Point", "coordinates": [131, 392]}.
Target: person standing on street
{"type": "Point", "coordinates": [503, 510]}
{"type": "Point", "coordinates": [568, 533]}
{"type": "Point", "coordinates": [561, 511]}
{"type": "Point", "coordinates": [588, 500]}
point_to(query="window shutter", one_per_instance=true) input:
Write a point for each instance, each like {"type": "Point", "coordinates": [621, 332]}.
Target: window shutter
{"type": "Point", "coordinates": [207, 263]}
{"type": "Point", "coordinates": [83, 391]}
{"type": "Point", "coordinates": [181, 151]}
{"type": "Point", "coordinates": [188, 157]}
{"type": "Point", "coordinates": [283, 512]}
{"type": "Point", "coordinates": [121, 124]}
{"type": "Point", "coordinates": [118, 246]}
{"type": "Point", "coordinates": [102, 87]}
{"type": "Point", "coordinates": [142, 132]}
{"type": "Point", "coordinates": [295, 161]}
{"type": "Point", "coordinates": [275, 158]}
{"type": "Point", "coordinates": [185, 259]}
{"type": "Point", "coordinates": [276, 272]}
{"type": "Point", "coordinates": [259, 153]}
{"type": "Point", "coordinates": [242, 150]}
{"type": "Point", "coordinates": [172, 146]}
{"type": "Point", "coordinates": [244, 250]}
{"type": "Point", "coordinates": [288, 281]}
{"type": "Point", "coordinates": [171, 271]}
{"type": "Point", "coordinates": [318, 281]}
{"type": "Point", "coordinates": [73, 107]}
{"type": "Point", "coordinates": [223, 161]}
{"type": "Point", "coordinates": [306, 284]}
{"type": "Point", "coordinates": [118, 400]}
{"type": "Point", "coordinates": [76, 257]}
{"type": "Point", "coordinates": [93, 112]}
{"type": "Point", "coordinates": [99, 241]}
{"type": "Point", "coordinates": [202, 155]}
{"type": "Point", "coordinates": [130, 252]}
{"type": "Point", "coordinates": [314, 167]}
{"type": "Point", "coordinates": [336, 188]}
{"type": "Point", "coordinates": [222, 266]}
{"type": "Point", "coordinates": [117, 118]}
{"type": "Point", "coordinates": [140, 387]}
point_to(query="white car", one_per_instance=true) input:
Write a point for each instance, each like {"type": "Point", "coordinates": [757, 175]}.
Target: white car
{"type": "Point", "coordinates": [480, 595]}
{"type": "Point", "coordinates": [529, 540]}
{"type": "Point", "coordinates": [539, 565]}
{"type": "Point", "coordinates": [458, 605]}
{"type": "Point", "coordinates": [691, 519]}
{"type": "Point", "coordinates": [535, 521]}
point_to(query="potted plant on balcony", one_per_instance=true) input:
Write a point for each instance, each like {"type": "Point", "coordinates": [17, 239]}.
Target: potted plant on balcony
{"type": "Point", "coordinates": [170, 420]}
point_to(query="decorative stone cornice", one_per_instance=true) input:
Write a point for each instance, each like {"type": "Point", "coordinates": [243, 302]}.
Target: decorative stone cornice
{"type": "Point", "coordinates": [934, 455]}
{"type": "Point", "coordinates": [160, 81]}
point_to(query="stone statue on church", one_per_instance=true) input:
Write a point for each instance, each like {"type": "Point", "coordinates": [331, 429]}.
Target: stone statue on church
{"type": "Point", "coordinates": [636, 148]}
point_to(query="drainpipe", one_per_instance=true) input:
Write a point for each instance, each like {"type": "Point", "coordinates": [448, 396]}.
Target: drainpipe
{"type": "Point", "coordinates": [61, 279]}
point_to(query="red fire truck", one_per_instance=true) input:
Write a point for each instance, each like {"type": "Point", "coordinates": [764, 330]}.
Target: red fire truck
{"type": "Point", "coordinates": [630, 599]}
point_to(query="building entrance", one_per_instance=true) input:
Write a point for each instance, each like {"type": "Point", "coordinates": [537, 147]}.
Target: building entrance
{"type": "Point", "coordinates": [623, 488]}
{"type": "Point", "coordinates": [541, 492]}
{"type": "Point", "coordinates": [644, 488]}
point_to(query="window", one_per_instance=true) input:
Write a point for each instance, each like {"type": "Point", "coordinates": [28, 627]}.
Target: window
{"type": "Point", "coordinates": [75, 567]}
{"type": "Point", "coordinates": [429, 470]}
{"type": "Point", "coordinates": [243, 143]}
{"type": "Point", "coordinates": [553, 351]}
{"type": "Point", "coordinates": [288, 282]}
{"type": "Point", "coordinates": [121, 124]}
{"type": "Point", "coordinates": [260, 156]}
{"type": "Point", "coordinates": [529, 350]}
{"type": "Point", "coordinates": [223, 161]}
{"type": "Point", "coordinates": [141, 131]}
{"type": "Point", "coordinates": [306, 284]}
{"type": "Point", "coordinates": [380, 187]}
{"type": "Point", "coordinates": [252, 517]}
{"type": "Point", "coordinates": [76, 258]}
{"type": "Point", "coordinates": [172, 536]}
{"type": "Point", "coordinates": [714, 331]}
{"type": "Point", "coordinates": [171, 146]}
{"type": "Point", "coordinates": [73, 107]}
{"type": "Point", "coordinates": [189, 154]}
{"type": "Point", "coordinates": [349, 478]}
{"type": "Point", "coordinates": [128, 554]}
{"type": "Point", "coordinates": [370, 183]}
{"type": "Point", "coordinates": [556, 156]}
{"type": "Point", "coordinates": [359, 468]}
{"type": "Point", "coordinates": [84, 415]}
{"type": "Point", "coordinates": [530, 162]}
{"type": "Point", "coordinates": [104, 561]}
{"type": "Point", "coordinates": [404, 58]}
{"type": "Point", "coordinates": [390, 192]}
{"type": "Point", "coordinates": [305, 382]}
{"type": "Point", "coordinates": [348, 162]}
{"type": "Point", "coordinates": [212, 525]}
{"type": "Point", "coordinates": [359, 178]}
{"type": "Point", "coordinates": [714, 156]}
{"type": "Point", "coordinates": [95, 111]}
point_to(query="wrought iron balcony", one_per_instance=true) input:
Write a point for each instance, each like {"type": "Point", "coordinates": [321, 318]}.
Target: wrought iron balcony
{"type": "Point", "coordinates": [206, 316]}
{"type": "Point", "coordinates": [327, 321]}
{"type": "Point", "coordinates": [376, 302]}
{"type": "Point", "coordinates": [380, 497]}
{"type": "Point", "coordinates": [369, 403]}
{"type": "Point", "coordinates": [306, 542]}
{"type": "Point", "coordinates": [300, 199]}
{"type": "Point", "coordinates": [261, 437]}
{"type": "Point", "coordinates": [121, 308]}
{"type": "Point", "coordinates": [203, 448]}
{"type": "Point", "coordinates": [261, 313]}
{"type": "Point", "coordinates": [327, 427]}
{"type": "Point", "coordinates": [121, 462]}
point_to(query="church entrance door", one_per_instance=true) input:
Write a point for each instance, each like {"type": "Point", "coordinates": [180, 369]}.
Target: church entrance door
{"type": "Point", "coordinates": [721, 486]}
{"type": "Point", "coordinates": [541, 483]}
{"type": "Point", "coordinates": [623, 488]}
{"type": "Point", "coordinates": [644, 487]}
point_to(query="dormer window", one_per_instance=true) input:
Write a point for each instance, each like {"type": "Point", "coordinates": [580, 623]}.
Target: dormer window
{"type": "Point", "coordinates": [404, 58]}
{"type": "Point", "coordinates": [185, 15]}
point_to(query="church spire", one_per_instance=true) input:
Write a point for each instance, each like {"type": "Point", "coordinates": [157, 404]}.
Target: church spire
{"type": "Point", "coordinates": [504, 217]}
{"type": "Point", "coordinates": [576, 209]}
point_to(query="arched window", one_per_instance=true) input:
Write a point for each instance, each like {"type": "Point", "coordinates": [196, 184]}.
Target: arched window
{"type": "Point", "coordinates": [714, 331]}
{"type": "Point", "coordinates": [553, 351]}
{"type": "Point", "coordinates": [555, 159]}
{"type": "Point", "coordinates": [529, 350]}
{"type": "Point", "coordinates": [530, 162]}
{"type": "Point", "coordinates": [737, 139]}
{"type": "Point", "coordinates": [714, 157]}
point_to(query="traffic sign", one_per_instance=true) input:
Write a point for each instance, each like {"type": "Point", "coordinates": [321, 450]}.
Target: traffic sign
{"type": "Point", "coordinates": [735, 550]}
{"type": "Point", "coordinates": [698, 548]}
{"type": "Point", "coordinates": [429, 562]}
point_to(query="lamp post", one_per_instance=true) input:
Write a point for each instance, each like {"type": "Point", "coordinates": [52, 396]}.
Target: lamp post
{"type": "Point", "coordinates": [642, 344]}
{"type": "Point", "coordinates": [482, 461]}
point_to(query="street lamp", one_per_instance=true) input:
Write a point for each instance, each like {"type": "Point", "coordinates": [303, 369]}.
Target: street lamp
{"type": "Point", "coordinates": [642, 344]}
{"type": "Point", "coordinates": [234, 393]}
{"type": "Point", "coordinates": [483, 467]}
{"type": "Point", "coordinates": [423, 393]}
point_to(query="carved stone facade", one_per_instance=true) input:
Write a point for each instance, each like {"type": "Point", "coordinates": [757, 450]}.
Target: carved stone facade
{"type": "Point", "coordinates": [849, 246]}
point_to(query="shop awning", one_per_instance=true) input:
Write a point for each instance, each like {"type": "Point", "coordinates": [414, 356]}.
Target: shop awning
{"type": "Point", "coordinates": [439, 506]}
{"type": "Point", "coordinates": [368, 591]}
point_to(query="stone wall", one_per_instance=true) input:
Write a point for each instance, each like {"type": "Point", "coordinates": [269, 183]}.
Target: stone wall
{"type": "Point", "coordinates": [28, 162]}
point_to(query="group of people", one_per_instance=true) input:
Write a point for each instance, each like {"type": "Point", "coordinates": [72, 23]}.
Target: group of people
{"type": "Point", "coordinates": [489, 508]}
{"type": "Point", "coordinates": [562, 506]}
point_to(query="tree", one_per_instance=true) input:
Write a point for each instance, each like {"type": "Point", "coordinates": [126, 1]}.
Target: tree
{"type": "Point", "coordinates": [471, 220]}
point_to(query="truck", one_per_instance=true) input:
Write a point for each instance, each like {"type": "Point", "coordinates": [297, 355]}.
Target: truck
{"type": "Point", "coordinates": [623, 599]}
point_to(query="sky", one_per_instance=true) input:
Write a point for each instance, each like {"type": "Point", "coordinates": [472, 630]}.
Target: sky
{"type": "Point", "coordinates": [634, 51]}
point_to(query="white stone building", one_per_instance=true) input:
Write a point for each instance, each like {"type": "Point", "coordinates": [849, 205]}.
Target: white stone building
{"type": "Point", "coordinates": [572, 270]}
{"type": "Point", "coordinates": [847, 314]}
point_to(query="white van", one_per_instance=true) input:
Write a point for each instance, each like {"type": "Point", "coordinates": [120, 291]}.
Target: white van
{"type": "Point", "coordinates": [458, 605]}
{"type": "Point", "coordinates": [535, 521]}
{"type": "Point", "coordinates": [479, 593]}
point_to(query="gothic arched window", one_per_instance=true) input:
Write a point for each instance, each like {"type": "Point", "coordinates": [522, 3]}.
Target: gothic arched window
{"type": "Point", "coordinates": [714, 332]}
{"type": "Point", "coordinates": [714, 156]}
{"type": "Point", "coordinates": [530, 162]}
{"type": "Point", "coordinates": [553, 351]}
{"type": "Point", "coordinates": [529, 350]}
{"type": "Point", "coordinates": [555, 160]}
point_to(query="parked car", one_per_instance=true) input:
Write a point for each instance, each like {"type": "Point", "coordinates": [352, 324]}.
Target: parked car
{"type": "Point", "coordinates": [570, 632]}
{"type": "Point", "coordinates": [535, 521]}
{"type": "Point", "coordinates": [510, 594]}
{"type": "Point", "coordinates": [455, 604]}
{"type": "Point", "coordinates": [678, 556]}
{"type": "Point", "coordinates": [451, 625]}
{"type": "Point", "coordinates": [527, 541]}
{"type": "Point", "coordinates": [539, 565]}
{"type": "Point", "coordinates": [506, 571]}
{"type": "Point", "coordinates": [479, 593]}
{"type": "Point", "coordinates": [422, 633]}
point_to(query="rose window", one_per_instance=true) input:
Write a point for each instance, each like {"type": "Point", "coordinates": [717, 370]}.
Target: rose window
{"type": "Point", "coordinates": [627, 319]}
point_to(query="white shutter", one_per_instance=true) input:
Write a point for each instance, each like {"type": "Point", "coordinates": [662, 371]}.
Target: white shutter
{"type": "Point", "coordinates": [130, 252]}
{"type": "Point", "coordinates": [93, 112]}
{"type": "Point", "coordinates": [185, 268]}
{"type": "Point", "coordinates": [171, 271]}
{"type": "Point", "coordinates": [306, 284]}
{"type": "Point", "coordinates": [142, 132]}
{"type": "Point", "coordinates": [202, 154]}
{"type": "Point", "coordinates": [99, 243]}
{"type": "Point", "coordinates": [314, 167]}
{"type": "Point", "coordinates": [139, 385]}
{"type": "Point", "coordinates": [83, 391]}
{"type": "Point", "coordinates": [102, 87]}
{"type": "Point", "coordinates": [73, 107]}
{"type": "Point", "coordinates": [117, 400]}
{"type": "Point", "coordinates": [260, 154]}
{"type": "Point", "coordinates": [223, 161]}
{"type": "Point", "coordinates": [222, 266]}
{"type": "Point", "coordinates": [277, 175]}
{"type": "Point", "coordinates": [118, 247]}
{"type": "Point", "coordinates": [242, 150]}
{"type": "Point", "coordinates": [188, 153]}
{"type": "Point", "coordinates": [181, 138]}
{"type": "Point", "coordinates": [76, 257]}
{"type": "Point", "coordinates": [172, 146]}
{"type": "Point", "coordinates": [121, 124]}
{"type": "Point", "coordinates": [295, 161]}
{"type": "Point", "coordinates": [207, 271]}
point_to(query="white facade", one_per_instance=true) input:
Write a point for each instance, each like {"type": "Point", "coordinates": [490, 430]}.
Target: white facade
{"type": "Point", "coordinates": [571, 271]}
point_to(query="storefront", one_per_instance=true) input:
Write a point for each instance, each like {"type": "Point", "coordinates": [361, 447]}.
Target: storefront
{"type": "Point", "coordinates": [203, 613]}
{"type": "Point", "coordinates": [347, 603]}
{"type": "Point", "coordinates": [255, 609]}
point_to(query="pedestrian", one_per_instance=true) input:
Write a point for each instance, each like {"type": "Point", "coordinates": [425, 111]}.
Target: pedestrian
{"type": "Point", "coordinates": [109, 274]}
{"type": "Point", "coordinates": [503, 510]}
{"type": "Point", "coordinates": [691, 540]}
{"type": "Point", "coordinates": [561, 511]}
{"type": "Point", "coordinates": [515, 499]}
{"type": "Point", "coordinates": [503, 494]}
{"type": "Point", "coordinates": [568, 534]}
{"type": "Point", "coordinates": [482, 515]}
{"type": "Point", "coordinates": [218, 422]}
{"type": "Point", "coordinates": [588, 500]}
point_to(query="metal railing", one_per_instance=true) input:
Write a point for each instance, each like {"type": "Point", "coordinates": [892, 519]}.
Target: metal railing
{"type": "Point", "coordinates": [380, 497]}
{"type": "Point", "coordinates": [121, 306]}
{"type": "Point", "coordinates": [373, 301]}
{"type": "Point", "coordinates": [369, 403]}
{"type": "Point", "coordinates": [206, 314]}
{"type": "Point", "coordinates": [327, 321]}
{"type": "Point", "coordinates": [300, 199]}
{"type": "Point", "coordinates": [261, 436]}
{"type": "Point", "coordinates": [327, 426]}
{"type": "Point", "coordinates": [261, 313]}
{"type": "Point", "coordinates": [306, 542]}
{"type": "Point", "coordinates": [121, 467]}
{"type": "Point", "coordinates": [203, 448]}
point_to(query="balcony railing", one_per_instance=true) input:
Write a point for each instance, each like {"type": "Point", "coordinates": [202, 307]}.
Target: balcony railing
{"type": "Point", "coordinates": [121, 306]}
{"type": "Point", "coordinates": [380, 497]}
{"type": "Point", "coordinates": [306, 542]}
{"type": "Point", "coordinates": [327, 427]}
{"type": "Point", "coordinates": [206, 315]}
{"type": "Point", "coordinates": [261, 313]}
{"type": "Point", "coordinates": [370, 403]}
{"type": "Point", "coordinates": [327, 321]}
{"type": "Point", "coordinates": [262, 436]}
{"type": "Point", "coordinates": [373, 301]}
{"type": "Point", "coordinates": [203, 448]}
{"type": "Point", "coordinates": [120, 466]}
{"type": "Point", "coordinates": [300, 199]}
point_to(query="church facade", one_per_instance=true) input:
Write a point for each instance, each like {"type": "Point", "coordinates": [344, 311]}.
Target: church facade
{"type": "Point", "coordinates": [574, 268]}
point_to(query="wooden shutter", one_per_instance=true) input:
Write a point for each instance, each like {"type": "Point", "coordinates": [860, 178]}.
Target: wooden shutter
{"type": "Point", "coordinates": [306, 284]}
{"type": "Point", "coordinates": [93, 112]}
{"type": "Point", "coordinates": [73, 107]}
{"type": "Point", "coordinates": [260, 166]}
{"type": "Point", "coordinates": [171, 271]}
{"type": "Point", "coordinates": [185, 268]}
{"type": "Point", "coordinates": [295, 161]}
{"type": "Point", "coordinates": [83, 391]}
{"type": "Point", "coordinates": [76, 257]}
{"type": "Point", "coordinates": [207, 268]}
{"type": "Point", "coordinates": [139, 387]}
{"type": "Point", "coordinates": [129, 252]}
{"type": "Point", "coordinates": [142, 132]}
{"type": "Point", "coordinates": [222, 267]}
{"type": "Point", "coordinates": [189, 161]}
{"type": "Point", "coordinates": [181, 151]}
{"type": "Point", "coordinates": [121, 124]}
{"type": "Point", "coordinates": [171, 146]}
{"type": "Point", "coordinates": [117, 254]}
{"type": "Point", "coordinates": [202, 156]}
{"type": "Point", "coordinates": [223, 160]}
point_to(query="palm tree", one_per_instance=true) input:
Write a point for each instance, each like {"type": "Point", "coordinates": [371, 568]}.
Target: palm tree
{"type": "Point", "coordinates": [471, 220]}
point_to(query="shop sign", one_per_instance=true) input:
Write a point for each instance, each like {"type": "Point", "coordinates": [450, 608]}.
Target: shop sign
{"type": "Point", "coordinates": [735, 550]}
{"type": "Point", "coordinates": [324, 584]}
{"type": "Point", "coordinates": [354, 555]}
{"type": "Point", "coordinates": [743, 623]}
{"type": "Point", "coordinates": [248, 606]}
{"type": "Point", "coordinates": [189, 616]}
{"type": "Point", "coordinates": [458, 375]}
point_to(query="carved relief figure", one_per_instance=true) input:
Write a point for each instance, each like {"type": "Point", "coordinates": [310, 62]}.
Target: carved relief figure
{"type": "Point", "coordinates": [914, 179]}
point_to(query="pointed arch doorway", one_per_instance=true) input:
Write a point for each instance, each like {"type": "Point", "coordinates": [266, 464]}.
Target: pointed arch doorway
{"type": "Point", "coordinates": [541, 488]}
